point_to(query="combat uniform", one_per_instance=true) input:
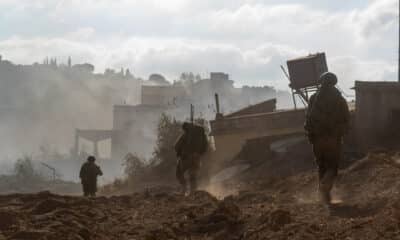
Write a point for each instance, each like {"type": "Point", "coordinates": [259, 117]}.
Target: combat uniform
{"type": "Point", "coordinates": [88, 174]}
{"type": "Point", "coordinates": [326, 123]}
{"type": "Point", "coordinates": [189, 148]}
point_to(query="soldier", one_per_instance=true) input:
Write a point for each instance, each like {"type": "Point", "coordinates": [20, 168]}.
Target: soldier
{"type": "Point", "coordinates": [88, 174]}
{"type": "Point", "coordinates": [327, 121]}
{"type": "Point", "coordinates": [189, 148]}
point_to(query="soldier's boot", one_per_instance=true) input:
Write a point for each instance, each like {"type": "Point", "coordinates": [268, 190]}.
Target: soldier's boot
{"type": "Point", "coordinates": [184, 188]}
{"type": "Point", "coordinates": [193, 185]}
{"type": "Point", "coordinates": [325, 187]}
{"type": "Point", "coordinates": [325, 195]}
{"type": "Point", "coordinates": [180, 176]}
{"type": "Point", "coordinates": [193, 180]}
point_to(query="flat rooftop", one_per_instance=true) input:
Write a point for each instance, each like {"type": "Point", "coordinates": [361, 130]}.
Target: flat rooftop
{"type": "Point", "coordinates": [376, 85]}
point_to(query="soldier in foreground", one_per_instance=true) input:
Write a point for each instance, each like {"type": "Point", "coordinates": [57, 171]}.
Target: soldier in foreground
{"type": "Point", "coordinates": [327, 121]}
{"type": "Point", "coordinates": [189, 148]}
{"type": "Point", "coordinates": [88, 174]}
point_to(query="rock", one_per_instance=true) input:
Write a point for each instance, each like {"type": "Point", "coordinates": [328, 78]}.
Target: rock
{"type": "Point", "coordinates": [229, 210]}
{"type": "Point", "coordinates": [278, 219]}
{"type": "Point", "coordinates": [29, 234]}
{"type": "Point", "coordinates": [85, 233]}
{"type": "Point", "coordinates": [47, 206]}
{"type": "Point", "coordinates": [7, 219]}
{"type": "Point", "coordinates": [226, 216]}
{"type": "Point", "coordinates": [160, 233]}
{"type": "Point", "coordinates": [2, 237]}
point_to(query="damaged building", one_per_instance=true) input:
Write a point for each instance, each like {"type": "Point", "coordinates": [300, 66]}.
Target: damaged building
{"type": "Point", "coordinates": [249, 133]}
{"type": "Point", "coordinates": [257, 128]}
{"type": "Point", "coordinates": [134, 126]}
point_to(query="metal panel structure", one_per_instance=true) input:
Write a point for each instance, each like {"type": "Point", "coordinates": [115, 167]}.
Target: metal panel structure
{"type": "Point", "coordinates": [304, 72]}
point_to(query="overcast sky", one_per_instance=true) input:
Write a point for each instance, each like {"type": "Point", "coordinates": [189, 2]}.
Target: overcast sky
{"type": "Point", "coordinates": [249, 39]}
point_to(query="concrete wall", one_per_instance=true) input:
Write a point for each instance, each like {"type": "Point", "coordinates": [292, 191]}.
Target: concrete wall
{"type": "Point", "coordinates": [230, 134]}
{"type": "Point", "coordinates": [263, 107]}
{"type": "Point", "coordinates": [375, 105]}
{"type": "Point", "coordinates": [263, 124]}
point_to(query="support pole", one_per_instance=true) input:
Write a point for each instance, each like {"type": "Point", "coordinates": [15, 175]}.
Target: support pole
{"type": "Point", "coordinates": [294, 99]}
{"type": "Point", "coordinates": [191, 113]}
{"type": "Point", "coordinates": [217, 103]}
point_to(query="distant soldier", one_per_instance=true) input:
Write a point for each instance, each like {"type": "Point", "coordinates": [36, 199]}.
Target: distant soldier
{"type": "Point", "coordinates": [189, 148]}
{"type": "Point", "coordinates": [88, 174]}
{"type": "Point", "coordinates": [327, 121]}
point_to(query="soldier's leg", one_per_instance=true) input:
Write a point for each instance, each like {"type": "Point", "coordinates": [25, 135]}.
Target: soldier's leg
{"type": "Point", "coordinates": [325, 183]}
{"type": "Point", "coordinates": [331, 162]}
{"type": "Point", "coordinates": [91, 188]}
{"type": "Point", "coordinates": [319, 148]}
{"type": "Point", "coordinates": [194, 171]}
{"type": "Point", "coordinates": [180, 175]}
{"type": "Point", "coordinates": [85, 190]}
{"type": "Point", "coordinates": [319, 157]}
{"type": "Point", "coordinates": [325, 187]}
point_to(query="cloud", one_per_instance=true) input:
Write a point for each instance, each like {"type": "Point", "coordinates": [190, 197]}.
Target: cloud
{"type": "Point", "coordinates": [248, 39]}
{"type": "Point", "coordinates": [379, 17]}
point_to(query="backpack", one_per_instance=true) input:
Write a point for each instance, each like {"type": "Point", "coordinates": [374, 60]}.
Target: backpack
{"type": "Point", "coordinates": [325, 113]}
{"type": "Point", "coordinates": [199, 139]}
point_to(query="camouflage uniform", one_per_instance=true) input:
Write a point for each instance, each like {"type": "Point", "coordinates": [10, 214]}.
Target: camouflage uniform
{"type": "Point", "coordinates": [189, 150]}
{"type": "Point", "coordinates": [88, 174]}
{"type": "Point", "coordinates": [326, 123]}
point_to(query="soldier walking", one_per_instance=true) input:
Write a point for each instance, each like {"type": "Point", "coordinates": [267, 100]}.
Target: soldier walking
{"type": "Point", "coordinates": [88, 174]}
{"type": "Point", "coordinates": [189, 148]}
{"type": "Point", "coordinates": [327, 121]}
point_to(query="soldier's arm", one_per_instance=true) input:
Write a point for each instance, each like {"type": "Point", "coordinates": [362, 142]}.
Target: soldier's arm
{"type": "Point", "coordinates": [178, 145]}
{"type": "Point", "coordinates": [307, 124]}
{"type": "Point", "coordinates": [344, 114]}
{"type": "Point", "coordinates": [82, 172]}
{"type": "Point", "coordinates": [99, 172]}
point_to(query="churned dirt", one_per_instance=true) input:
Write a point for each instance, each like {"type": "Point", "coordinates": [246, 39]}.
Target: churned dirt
{"type": "Point", "coordinates": [367, 207]}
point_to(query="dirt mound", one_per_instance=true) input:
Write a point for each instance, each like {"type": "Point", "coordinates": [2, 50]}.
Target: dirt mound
{"type": "Point", "coordinates": [273, 209]}
{"type": "Point", "coordinates": [12, 184]}
{"type": "Point", "coordinates": [374, 177]}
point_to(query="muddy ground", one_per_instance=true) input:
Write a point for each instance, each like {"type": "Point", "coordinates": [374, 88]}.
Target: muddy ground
{"type": "Point", "coordinates": [366, 195]}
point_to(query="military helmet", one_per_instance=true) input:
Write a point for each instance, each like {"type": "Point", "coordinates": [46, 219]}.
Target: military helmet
{"type": "Point", "coordinates": [328, 79]}
{"type": "Point", "coordinates": [91, 159]}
